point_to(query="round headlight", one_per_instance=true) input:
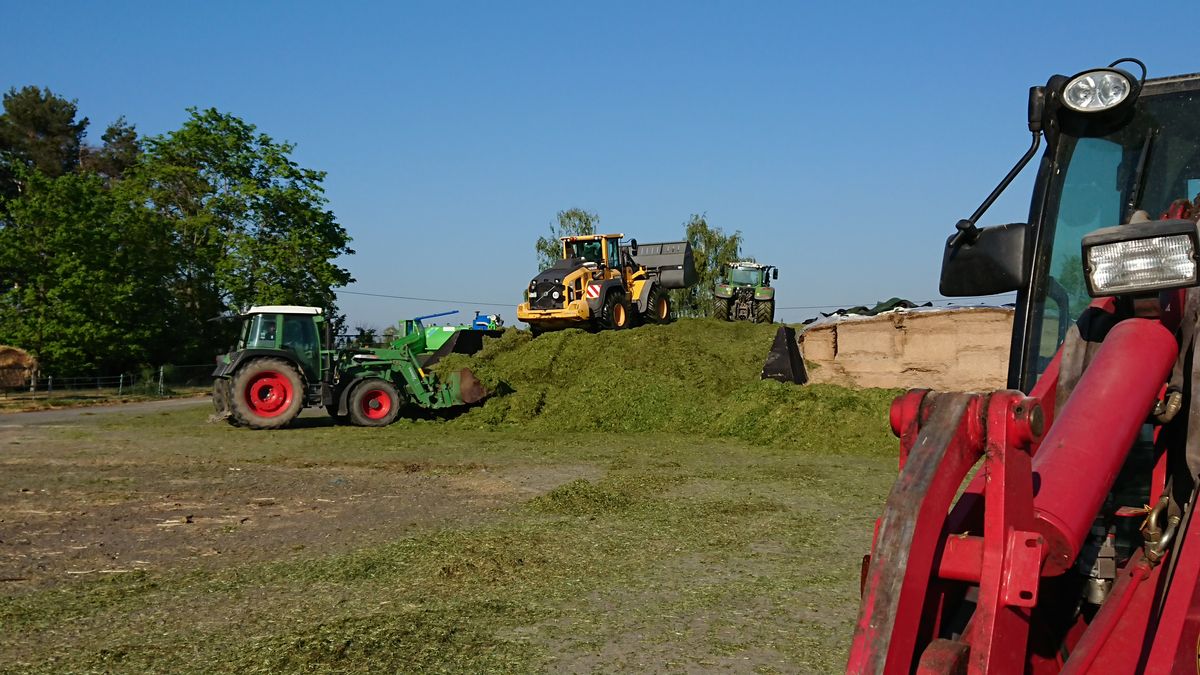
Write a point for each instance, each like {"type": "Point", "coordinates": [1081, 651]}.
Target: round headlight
{"type": "Point", "coordinates": [555, 295]}
{"type": "Point", "coordinates": [1096, 90]}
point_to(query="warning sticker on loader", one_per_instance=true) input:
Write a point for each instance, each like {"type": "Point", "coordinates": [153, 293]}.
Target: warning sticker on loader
{"type": "Point", "coordinates": [593, 291]}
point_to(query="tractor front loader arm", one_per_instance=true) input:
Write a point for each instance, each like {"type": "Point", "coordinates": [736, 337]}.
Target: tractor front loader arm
{"type": "Point", "coordinates": [953, 586]}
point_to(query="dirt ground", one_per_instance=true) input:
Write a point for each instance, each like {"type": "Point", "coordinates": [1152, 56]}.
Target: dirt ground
{"type": "Point", "coordinates": [145, 539]}
{"type": "Point", "coordinates": [66, 512]}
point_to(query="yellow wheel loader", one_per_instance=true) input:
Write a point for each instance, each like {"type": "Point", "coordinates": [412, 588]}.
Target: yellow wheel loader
{"type": "Point", "coordinates": [601, 284]}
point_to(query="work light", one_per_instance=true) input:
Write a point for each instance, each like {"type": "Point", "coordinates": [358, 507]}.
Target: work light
{"type": "Point", "coordinates": [1097, 90]}
{"type": "Point", "coordinates": [1141, 257]}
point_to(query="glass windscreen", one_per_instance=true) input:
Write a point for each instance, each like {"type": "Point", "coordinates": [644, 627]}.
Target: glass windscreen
{"type": "Point", "coordinates": [590, 251]}
{"type": "Point", "coordinates": [1145, 169]}
{"type": "Point", "coordinates": [743, 276]}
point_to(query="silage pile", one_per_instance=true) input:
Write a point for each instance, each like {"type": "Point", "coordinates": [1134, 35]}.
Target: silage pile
{"type": "Point", "coordinates": [16, 367]}
{"type": "Point", "coordinates": [694, 377]}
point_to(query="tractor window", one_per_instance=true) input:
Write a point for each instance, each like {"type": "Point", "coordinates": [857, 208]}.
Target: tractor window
{"type": "Point", "coordinates": [614, 252]}
{"type": "Point", "coordinates": [1095, 180]}
{"type": "Point", "coordinates": [262, 332]}
{"type": "Point", "coordinates": [744, 276]}
{"type": "Point", "coordinates": [300, 334]}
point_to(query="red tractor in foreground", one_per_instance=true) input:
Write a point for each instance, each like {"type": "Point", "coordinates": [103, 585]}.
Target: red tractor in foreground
{"type": "Point", "coordinates": [1047, 528]}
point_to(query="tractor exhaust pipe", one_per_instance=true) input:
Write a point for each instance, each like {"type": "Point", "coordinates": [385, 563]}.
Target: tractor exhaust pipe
{"type": "Point", "coordinates": [1093, 432]}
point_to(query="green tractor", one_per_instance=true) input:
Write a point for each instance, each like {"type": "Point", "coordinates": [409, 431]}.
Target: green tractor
{"type": "Point", "coordinates": [284, 362]}
{"type": "Point", "coordinates": [745, 294]}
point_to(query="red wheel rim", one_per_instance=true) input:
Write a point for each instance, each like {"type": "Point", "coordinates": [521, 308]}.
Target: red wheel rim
{"type": "Point", "coordinates": [376, 404]}
{"type": "Point", "coordinates": [269, 394]}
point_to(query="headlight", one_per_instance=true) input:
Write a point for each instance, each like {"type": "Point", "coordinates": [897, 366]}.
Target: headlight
{"type": "Point", "coordinates": [1097, 90]}
{"type": "Point", "coordinates": [1141, 257]}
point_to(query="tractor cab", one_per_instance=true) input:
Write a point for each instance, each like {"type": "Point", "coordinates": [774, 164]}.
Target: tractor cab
{"type": "Point", "coordinates": [750, 274]}
{"type": "Point", "coordinates": [292, 329]}
{"type": "Point", "coordinates": [1126, 157]}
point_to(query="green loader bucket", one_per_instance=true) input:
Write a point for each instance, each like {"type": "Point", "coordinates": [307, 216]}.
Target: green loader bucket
{"type": "Point", "coordinates": [459, 342]}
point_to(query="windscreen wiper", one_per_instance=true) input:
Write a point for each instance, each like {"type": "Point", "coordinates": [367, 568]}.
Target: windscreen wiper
{"type": "Point", "coordinates": [1139, 177]}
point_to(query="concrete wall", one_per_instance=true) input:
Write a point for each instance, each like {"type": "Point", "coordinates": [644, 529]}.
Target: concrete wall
{"type": "Point", "coordinates": [955, 349]}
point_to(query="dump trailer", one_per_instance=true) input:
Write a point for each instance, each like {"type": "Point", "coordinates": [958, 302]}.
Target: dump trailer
{"type": "Point", "coordinates": [281, 365]}
{"type": "Point", "coordinates": [601, 283]}
{"type": "Point", "coordinates": [745, 293]}
{"type": "Point", "coordinates": [1048, 527]}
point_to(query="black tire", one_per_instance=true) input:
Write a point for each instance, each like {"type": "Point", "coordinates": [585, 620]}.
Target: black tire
{"type": "Point", "coordinates": [615, 313]}
{"type": "Point", "coordinates": [265, 393]}
{"type": "Point", "coordinates": [764, 312]}
{"type": "Point", "coordinates": [658, 307]}
{"type": "Point", "coordinates": [374, 403]}
{"type": "Point", "coordinates": [721, 309]}
{"type": "Point", "coordinates": [535, 331]}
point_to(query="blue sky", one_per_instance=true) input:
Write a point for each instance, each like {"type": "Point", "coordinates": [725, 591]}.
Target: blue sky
{"type": "Point", "coordinates": [842, 139]}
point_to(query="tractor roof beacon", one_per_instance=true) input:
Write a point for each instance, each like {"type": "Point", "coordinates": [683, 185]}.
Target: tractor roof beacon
{"type": "Point", "coordinates": [1071, 547]}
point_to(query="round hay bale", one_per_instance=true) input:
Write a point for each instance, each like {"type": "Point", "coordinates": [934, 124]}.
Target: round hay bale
{"type": "Point", "coordinates": [16, 366]}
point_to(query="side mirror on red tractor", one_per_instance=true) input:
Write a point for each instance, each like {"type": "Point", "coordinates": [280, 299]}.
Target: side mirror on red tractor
{"type": "Point", "coordinates": [991, 261]}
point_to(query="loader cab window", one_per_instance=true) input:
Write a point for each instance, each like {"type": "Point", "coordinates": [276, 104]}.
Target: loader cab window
{"type": "Point", "coordinates": [590, 251]}
{"type": "Point", "coordinates": [614, 252]}
{"type": "Point", "coordinates": [1090, 187]}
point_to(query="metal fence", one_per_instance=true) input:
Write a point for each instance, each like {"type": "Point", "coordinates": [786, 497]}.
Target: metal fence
{"type": "Point", "coordinates": [161, 382]}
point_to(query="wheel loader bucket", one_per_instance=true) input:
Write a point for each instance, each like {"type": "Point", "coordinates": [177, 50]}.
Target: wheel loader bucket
{"type": "Point", "coordinates": [672, 261]}
{"type": "Point", "coordinates": [467, 388]}
{"type": "Point", "coordinates": [461, 342]}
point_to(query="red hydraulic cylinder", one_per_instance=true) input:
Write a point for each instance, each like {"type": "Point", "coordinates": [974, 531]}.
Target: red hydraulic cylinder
{"type": "Point", "coordinates": [1079, 458]}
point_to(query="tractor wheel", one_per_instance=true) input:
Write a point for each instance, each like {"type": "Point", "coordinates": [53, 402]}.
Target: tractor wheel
{"type": "Point", "coordinates": [265, 394]}
{"type": "Point", "coordinates": [615, 314]}
{"type": "Point", "coordinates": [764, 312]}
{"type": "Point", "coordinates": [658, 307]}
{"type": "Point", "coordinates": [374, 403]}
{"type": "Point", "coordinates": [721, 309]}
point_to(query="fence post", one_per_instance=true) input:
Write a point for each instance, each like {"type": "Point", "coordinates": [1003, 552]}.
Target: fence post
{"type": "Point", "coordinates": [49, 384]}
{"type": "Point", "coordinates": [160, 381]}
{"type": "Point", "coordinates": [121, 384]}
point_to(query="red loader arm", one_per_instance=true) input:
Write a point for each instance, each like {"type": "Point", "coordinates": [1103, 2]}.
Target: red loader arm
{"type": "Point", "coordinates": [979, 584]}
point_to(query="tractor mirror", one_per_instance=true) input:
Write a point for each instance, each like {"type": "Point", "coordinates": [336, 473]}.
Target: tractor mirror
{"type": "Point", "coordinates": [775, 273]}
{"type": "Point", "coordinates": [633, 247]}
{"type": "Point", "coordinates": [993, 262]}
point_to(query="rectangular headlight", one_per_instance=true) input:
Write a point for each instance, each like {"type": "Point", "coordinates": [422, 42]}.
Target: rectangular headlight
{"type": "Point", "coordinates": [1141, 257]}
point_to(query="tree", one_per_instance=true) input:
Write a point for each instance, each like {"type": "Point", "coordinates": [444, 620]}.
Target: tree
{"type": "Point", "coordinates": [571, 223]}
{"type": "Point", "coordinates": [249, 225]}
{"type": "Point", "coordinates": [83, 275]}
{"type": "Point", "coordinates": [38, 132]}
{"type": "Point", "coordinates": [712, 249]}
{"type": "Point", "coordinates": [118, 154]}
